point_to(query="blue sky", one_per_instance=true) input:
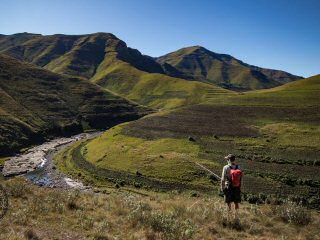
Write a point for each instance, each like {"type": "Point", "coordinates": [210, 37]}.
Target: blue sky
{"type": "Point", "coordinates": [282, 34]}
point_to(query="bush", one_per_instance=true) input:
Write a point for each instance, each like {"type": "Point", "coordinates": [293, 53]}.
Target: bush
{"type": "Point", "coordinates": [166, 224]}
{"type": "Point", "coordinates": [294, 213]}
{"type": "Point", "coordinates": [194, 194]}
{"type": "Point", "coordinates": [18, 188]}
{"type": "Point", "coordinates": [72, 200]}
{"type": "Point", "coordinates": [169, 226]}
{"type": "Point", "coordinates": [30, 235]}
{"type": "Point", "coordinates": [253, 199]}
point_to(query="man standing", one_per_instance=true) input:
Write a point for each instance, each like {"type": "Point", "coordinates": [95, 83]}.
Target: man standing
{"type": "Point", "coordinates": [231, 182]}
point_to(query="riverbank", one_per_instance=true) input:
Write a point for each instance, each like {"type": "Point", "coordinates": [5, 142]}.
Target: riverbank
{"type": "Point", "coordinates": [36, 164]}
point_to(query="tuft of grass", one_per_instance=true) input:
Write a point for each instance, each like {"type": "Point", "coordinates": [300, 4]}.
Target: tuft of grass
{"type": "Point", "coordinates": [292, 212]}
{"type": "Point", "coordinates": [31, 235]}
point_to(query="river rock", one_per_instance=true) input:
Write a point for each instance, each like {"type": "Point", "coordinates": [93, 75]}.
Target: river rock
{"type": "Point", "coordinates": [34, 157]}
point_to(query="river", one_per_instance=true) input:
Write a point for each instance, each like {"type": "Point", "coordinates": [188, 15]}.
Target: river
{"type": "Point", "coordinates": [36, 164]}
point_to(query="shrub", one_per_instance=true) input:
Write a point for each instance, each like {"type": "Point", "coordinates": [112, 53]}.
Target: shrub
{"type": "Point", "coordinates": [18, 189]}
{"type": "Point", "coordinates": [194, 194]}
{"type": "Point", "coordinates": [169, 225]}
{"type": "Point", "coordinates": [72, 200]}
{"type": "Point", "coordinates": [166, 224]}
{"type": "Point", "coordinates": [295, 213]}
{"type": "Point", "coordinates": [253, 199]}
{"type": "Point", "coordinates": [99, 237]}
{"type": "Point", "coordinates": [86, 222]}
{"type": "Point", "coordinates": [30, 235]}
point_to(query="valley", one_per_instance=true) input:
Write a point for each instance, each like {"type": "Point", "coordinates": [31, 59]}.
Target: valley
{"type": "Point", "coordinates": [93, 128]}
{"type": "Point", "coordinates": [263, 135]}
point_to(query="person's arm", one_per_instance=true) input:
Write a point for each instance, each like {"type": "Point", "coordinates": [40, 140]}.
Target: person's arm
{"type": "Point", "coordinates": [223, 180]}
{"type": "Point", "coordinates": [241, 179]}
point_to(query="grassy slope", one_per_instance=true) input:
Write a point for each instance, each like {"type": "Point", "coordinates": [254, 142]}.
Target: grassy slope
{"type": "Point", "coordinates": [107, 61]}
{"type": "Point", "coordinates": [35, 103]}
{"type": "Point", "coordinates": [302, 93]}
{"type": "Point", "coordinates": [261, 128]}
{"type": "Point", "coordinates": [201, 64]}
{"type": "Point", "coordinates": [153, 89]}
{"type": "Point", "coordinates": [38, 213]}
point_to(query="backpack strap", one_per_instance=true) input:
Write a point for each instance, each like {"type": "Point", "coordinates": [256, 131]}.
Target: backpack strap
{"type": "Point", "coordinates": [229, 173]}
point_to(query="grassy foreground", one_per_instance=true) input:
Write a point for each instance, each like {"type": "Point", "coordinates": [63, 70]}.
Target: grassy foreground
{"type": "Point", "coordinates": [38, 213]}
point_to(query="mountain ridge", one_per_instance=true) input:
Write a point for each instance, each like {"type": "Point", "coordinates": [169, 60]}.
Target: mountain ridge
{"type": "Point", "coordinates": [191, 63]}
{"type": "Point", "coordinates": [107, 61]}
{"type": "Point", "coordinates": [197, 62]}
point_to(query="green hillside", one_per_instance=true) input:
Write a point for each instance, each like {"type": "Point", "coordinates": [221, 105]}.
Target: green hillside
{"type": "Point", "coordinates": [154, 89]}
{"type": "Point", "coordinates": [274, 134]}
{"type": "Point", "coordinates": [201, 64]}
{"type": "Point", "coordinates": [107, 61]}
{"type": "Point", "coordinates": [302, 93]}
{"type": "Point", "coordinates": [36, 103]}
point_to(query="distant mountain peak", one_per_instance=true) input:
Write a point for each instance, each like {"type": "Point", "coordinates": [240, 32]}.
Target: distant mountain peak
{"type": "Point", "coordinates": [199, 63]}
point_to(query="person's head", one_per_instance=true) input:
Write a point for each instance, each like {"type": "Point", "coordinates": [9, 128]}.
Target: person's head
{"type": "Point", "coordinates": [230, 158]}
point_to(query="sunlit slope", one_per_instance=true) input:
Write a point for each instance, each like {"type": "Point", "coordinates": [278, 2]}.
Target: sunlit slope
{"type": "Point", "coordinates": [302, 93]}
{"type": "Point", "coordinates": [199, 63]}
{"type": "Point", "coordinates": [153, 89]}
{"type": "Point", "coordinates": [75, 55]}
{"type": "Point", "coordinates": [106, 60]}
{"type": "Point", "coordinates": [274, 133]}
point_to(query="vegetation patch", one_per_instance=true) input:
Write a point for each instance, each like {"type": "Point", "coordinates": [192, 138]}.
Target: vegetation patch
{"type": "Point", "coordinates": [34, 212]}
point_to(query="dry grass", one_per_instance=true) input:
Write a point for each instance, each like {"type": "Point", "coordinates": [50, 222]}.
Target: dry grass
{"type": "Point", "coordinates": [38, 213]}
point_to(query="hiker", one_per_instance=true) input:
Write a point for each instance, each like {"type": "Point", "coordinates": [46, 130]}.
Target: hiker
{"type": "Point", "coordinates": [231, 182]}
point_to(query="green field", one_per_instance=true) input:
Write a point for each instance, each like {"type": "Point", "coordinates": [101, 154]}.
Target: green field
{"type": "Point", "coordinates": [274, 133]}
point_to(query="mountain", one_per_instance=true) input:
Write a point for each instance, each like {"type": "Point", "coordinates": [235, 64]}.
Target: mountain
{"type": "Point", "coordinates": [76, 55]}
{"type": "Point", "coordinates": [104, 59]}
{"type": "Point", "coordinates": [198, 63]}
{"type": "Point", "coordinates": [188, 76]}
{"type": "Point", "coordinates": [36, 103]}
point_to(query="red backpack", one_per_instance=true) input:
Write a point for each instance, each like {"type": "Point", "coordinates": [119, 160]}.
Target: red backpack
{"type": "Point", "coordinates": [236, 175]}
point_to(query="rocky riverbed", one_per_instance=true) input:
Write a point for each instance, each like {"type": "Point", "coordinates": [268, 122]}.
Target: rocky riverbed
{"type": "Point", "coordinates": [37, 163]}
